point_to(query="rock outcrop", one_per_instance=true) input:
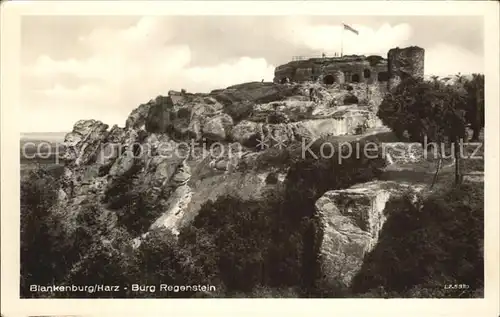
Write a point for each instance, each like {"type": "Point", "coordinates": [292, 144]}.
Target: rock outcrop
{"type": "Point", "coordinates": [84, 141]}
{"type": "Point", "coordinates": [350, 221]}
{"type": "Point", "coordinates": [178, 151]}
{"type": "Point", "coordinates": [165, 140]}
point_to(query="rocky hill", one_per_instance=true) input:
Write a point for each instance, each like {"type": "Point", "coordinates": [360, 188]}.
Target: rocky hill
{"type": "Point", "coordinates": [179, 152]}
{"type": "Point", "coordinates": [183, 149]}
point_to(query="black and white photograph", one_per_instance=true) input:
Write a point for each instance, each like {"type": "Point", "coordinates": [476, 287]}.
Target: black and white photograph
{"type": "Point", "coordinates": [331, 156]}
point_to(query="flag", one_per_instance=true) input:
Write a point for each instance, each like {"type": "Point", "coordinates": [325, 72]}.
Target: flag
{"type": "Point", "coordinates": [347, 27]}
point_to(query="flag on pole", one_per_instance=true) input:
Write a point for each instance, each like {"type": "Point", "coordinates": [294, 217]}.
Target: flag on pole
{"type": "Point", "coordinates": [347, 27]}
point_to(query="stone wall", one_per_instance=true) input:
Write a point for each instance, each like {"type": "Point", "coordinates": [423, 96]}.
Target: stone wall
{"type": "Point", "coordinates": [400, 63]}
{"type": "Point", "coordinates": [355, 69]}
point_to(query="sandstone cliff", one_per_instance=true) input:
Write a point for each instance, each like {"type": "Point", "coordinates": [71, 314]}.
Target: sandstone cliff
{"type": "Point", "coordinates": [350, 221]}
{"type": "Point", "coordinates": [184, 149]}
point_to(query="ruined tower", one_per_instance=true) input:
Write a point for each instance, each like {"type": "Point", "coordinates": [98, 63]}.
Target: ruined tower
{"type": "Point", "coordinates": [403, 63]}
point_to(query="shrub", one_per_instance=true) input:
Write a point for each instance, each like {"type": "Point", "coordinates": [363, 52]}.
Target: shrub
{"type": "Point", "coordinates": [241, 235]}
{"type": "Point", "coordinates": [272, 179]}
{"type": "Point", "coordinates": [160, 258]}
{"type": "Point", "coordinates": [137, 213]}
{"type": "Point", "coordinates": [104, 253]}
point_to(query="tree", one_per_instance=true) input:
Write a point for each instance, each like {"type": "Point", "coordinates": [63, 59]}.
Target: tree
{"type": "Point", "coordinates": [428, 111]}
{"type": "Point", "coordinates": [453, 125]}
{"type": "Point", "coordinates": [475, 104]}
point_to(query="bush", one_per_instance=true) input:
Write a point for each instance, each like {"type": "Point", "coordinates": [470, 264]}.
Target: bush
{"type": "Point", "coordinates": [104, 253]}
{"type": "Point", "coordinates": [94, 245]}
{"type": "Point", "coordinates": [243, 238]}
{"type": "Point", "coordinates": [137, 213]}
{"type": "Point", "coordinates": [131, 203]}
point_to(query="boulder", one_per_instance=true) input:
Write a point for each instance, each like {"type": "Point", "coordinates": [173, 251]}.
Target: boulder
{"type": "Point", "coordinates": [349, 222]}
{"type": "Point", "coordinates": [108, 154]}
{"type": "Point", "coordinates": [218, 127]}
{"type": "Point", "coordinates": [246, 131]}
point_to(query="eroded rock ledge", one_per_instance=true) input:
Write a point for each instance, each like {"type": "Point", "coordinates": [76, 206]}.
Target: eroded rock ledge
{"type": "Point", "coordinates": [158, 151]}
{"type": "Point", "coordinates": [349, 223]}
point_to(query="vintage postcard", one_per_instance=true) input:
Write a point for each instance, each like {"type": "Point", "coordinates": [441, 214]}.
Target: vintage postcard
{"type": "Point", "coordinates": [334, 154]}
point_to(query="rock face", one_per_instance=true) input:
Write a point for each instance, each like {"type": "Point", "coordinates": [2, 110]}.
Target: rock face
{"type": "Point", "coordinates": [151, 156]}
{"type": "Point", "coordinates": [166, 155]}
{"type": "Point", "coordinates": [350, 221]}
{"type": "Point", "coordinates": [159, 148]}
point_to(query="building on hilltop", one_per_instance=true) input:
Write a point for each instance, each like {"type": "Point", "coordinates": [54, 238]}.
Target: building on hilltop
{"type": "Point", "coordinates": [373, 69]}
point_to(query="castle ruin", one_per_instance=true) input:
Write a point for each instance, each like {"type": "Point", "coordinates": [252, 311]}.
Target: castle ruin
{"type": "Point", "coordinates": [399, 64]}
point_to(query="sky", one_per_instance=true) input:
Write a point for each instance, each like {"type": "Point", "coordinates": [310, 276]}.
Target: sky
{"type": "Point", "coordinates": [102, 67]}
